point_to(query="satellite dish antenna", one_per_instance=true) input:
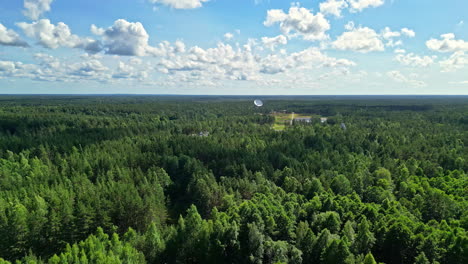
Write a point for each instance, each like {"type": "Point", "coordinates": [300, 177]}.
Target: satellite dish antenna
{"type": "Point", "coordinates": [258, 103]}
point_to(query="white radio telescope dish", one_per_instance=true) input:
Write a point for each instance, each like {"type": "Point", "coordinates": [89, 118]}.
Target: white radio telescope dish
{"type": "Point", "coordinates": [258, 102]}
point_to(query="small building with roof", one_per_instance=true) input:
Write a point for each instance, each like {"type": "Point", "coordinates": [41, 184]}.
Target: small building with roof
{"type": "Point", "coordinates": [303, 119]}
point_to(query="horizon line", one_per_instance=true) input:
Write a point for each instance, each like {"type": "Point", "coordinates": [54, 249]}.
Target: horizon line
{"type": "Point", "coordinates": [249, 95]}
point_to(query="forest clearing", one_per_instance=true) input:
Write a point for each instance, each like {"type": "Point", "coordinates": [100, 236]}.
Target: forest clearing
{"type": "Point", "coordinates": [283, 119]}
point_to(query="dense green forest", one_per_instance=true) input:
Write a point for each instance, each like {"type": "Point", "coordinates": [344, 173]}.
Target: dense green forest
{"type": "Point", "coordinates": [129, 179]}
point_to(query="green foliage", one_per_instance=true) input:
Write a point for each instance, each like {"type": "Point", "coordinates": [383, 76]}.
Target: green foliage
{"type": "Point", "coordinates": [341, 185]}
{"type": "Point", "coordinates": [421, 259]}
{"type": "Point", "coordinates": [365, 239]}
{"type": "Point", "coordinates": [99, 248]}
{"type": "Point", "coordinates": [369, 259]}
{"type": "Point", "coordinates": [391, 188]}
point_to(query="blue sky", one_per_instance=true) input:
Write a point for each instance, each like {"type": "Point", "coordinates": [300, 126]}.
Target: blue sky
{"type": "Point", "coordinates": [234, 47]}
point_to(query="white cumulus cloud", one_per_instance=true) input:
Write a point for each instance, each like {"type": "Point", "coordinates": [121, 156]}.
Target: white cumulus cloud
{"type": "Point", "coordinates": [333, 7]}
{"type": "Point", "coordinates": [178, 65]}
{"type": "Point", "coordinates": [124, 38]}
{"type": "Point", "coordinates": [447, 43]}
{"type": "Point", "coordinates": [33, 9]}
{"type": "Point", "coordinates": [401, 78]}
{"type": "Point", "coordinates": [127, 71]}
{"type": "Point", "coordinates": [389, 36]}
{"type": "Point", "coordinates": [299, 21]}
{"type": "Point", "coordinates": [456, 61]}
{"type": "Point", "coordinates": [180, 4]}
{"type": "Point", "coordinates": [131, 39]}
{"type": "Point", "coordinates": [408, 32]}
{"type": "Point", "coordinates": [306, 59]}
{"type": "Point", "coordinates": [411, 59]}
{"type": "Point", "coordinates": [387, 33]}
{"type": "Point", "coordinates": [361, 39]}
{"type": "Point", "coordinates": [364, 39]}
{"type": "Point", "coordinates": [228, 36]}
{"type": "Point", "coordinates": [88, 68]}
{"type": "Point", "coordinates": [7, 66]}
{"type": "Point", "coordinates": [359, 5]}
{"type": "Point", "coordinates": [8, 37]}
{"type": "Point", "coordinates": [53, 36]}
{"type": "Point", "coordinates": [271, 43]}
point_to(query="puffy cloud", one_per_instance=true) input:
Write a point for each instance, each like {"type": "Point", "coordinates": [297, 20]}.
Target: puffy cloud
{"type": "Point", "coordinates": [125, 38]}
{"type": "Point", "coordinates": [88, 68]}
{"type": "Point", "coordinates": [9, 37]}
{"type": "Point", "coordinates": [47, 61]}
{"type": "Point", "coordinates": [333, 7]}
{"type": "Point", "coordinates": [97, 31]}
{"type": "Point", "coordinates": [129, 71]}
{"type": "Point", "coordinates": [131, 39]}
{"type": "Point", "coordinates": [456, 61]}
{"type": "Point", "coordinates": [90, 45]}
{"type": "Point", "coordinates": [124, 71]}
{"type": "Point", "coordinates": [359, 5]}
{"type": "Point", "coordinates": [364, 39]}
{"type": "Point", "coordinates": [49, 35]}
{"type": "Point", "coordinates": [315, 57]}
{"type": "Point", "coordinates": [393, 43]}
{"type": "Point", "coordinates": [399, 77]}
{"type": "Point", "coordinates": [49, 68]}
{"type": "Point", "coordinates": [447, 43]}
{"type": "Point", "coordinates": [228, 36]}
{"type": "Point", "coordinates": [53, 36]}
{"type": "Point", "coordinates": [35, 8]}
{"type": "Point", "coordinates": [271, 43]}
{"type": "Point", "coordinates": [408, 32]}
{"type": "Point", "coordinates": [299, 21]}
{"type": "Point", "coordinates": [361, 39]}
{"type": "Point", "coordinates": [180, 4]}
{"type": "Point", "coordinates": [7, 66]}
{"type": "Point", "coordinates": [387, 33]}
{"type": "Point", "coordinates": [18, 69]}
{"type": "Point", "coordinates": [179, 46]}
{"type": "Point", "coordinates": [308, 58]}
{"type": "Point", "coordinates": [349, 26]}
{"type": "Point", "coordinates": [389, 36]}
{"type": "Point", "coordinates": [179, 65]}
{"type": "Point", "coordinates": [165, 49]}
{"type": "Point", "coordinates": [413, 60]}
{"type": "Point", "coordinates": [227, 63]}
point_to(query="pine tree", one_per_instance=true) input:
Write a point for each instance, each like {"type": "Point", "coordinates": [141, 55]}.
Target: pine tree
{"type": "Point", "coordinates": [365, 239]}
{"type": "Point", "coordinates": [421, 259]}
{"type": "Point", "coordinates": [369, 259]}
{"type": "Point", "coordinates": [154, 244]}
{"type": "Point", "coordinates": [337, 253]}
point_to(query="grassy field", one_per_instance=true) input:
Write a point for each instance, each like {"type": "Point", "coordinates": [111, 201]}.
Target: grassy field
{"type": "Point", "coordinates": [283, 119]}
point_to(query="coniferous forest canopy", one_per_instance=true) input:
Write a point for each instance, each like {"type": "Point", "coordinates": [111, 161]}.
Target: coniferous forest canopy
{"type": "Point", "coordinates": [165, 179]}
